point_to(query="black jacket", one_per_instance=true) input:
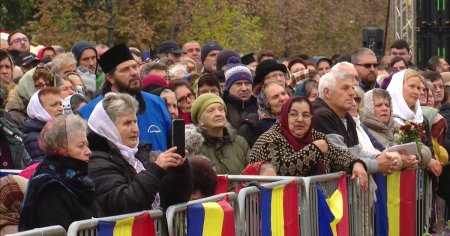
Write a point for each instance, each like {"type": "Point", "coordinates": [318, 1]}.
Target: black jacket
{"type": "Point", "coordinates": [59, 193]}
{"type": "Point", "coordinates": [445, 112]}
{"type": "Point", "coordinates": [120, 189]}
{"type": "Point", "coordinates": [32, 128]}
{"type": "Point", "coordinates": [328, 122]}
{"type": "Point", "coordinates": [238, 110]}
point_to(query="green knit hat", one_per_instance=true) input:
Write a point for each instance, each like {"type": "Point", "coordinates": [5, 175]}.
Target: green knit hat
{"type": "Point", "coordinates": [201, 103]}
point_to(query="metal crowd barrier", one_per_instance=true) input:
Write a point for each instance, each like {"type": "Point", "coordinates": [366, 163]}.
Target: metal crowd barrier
{"type": "Point", "coordinates": [250, 209]}
{"type": "Point", "coordinates": [177, 218]}
{"type": "Point", "coordinates": [361, 208]}
{"type": "Point", "coordinates": [235, 181]}
{"type": "Point", "coordinates": [5, 172]}
{"type": "Point", "coordinates": [309, 205]}
{"type": "Point", "coordinates": [89, 227]}
{"type": "Point", "coordinates": [424, 201]}
{"type": "Point", "coordinates": [47, 231]}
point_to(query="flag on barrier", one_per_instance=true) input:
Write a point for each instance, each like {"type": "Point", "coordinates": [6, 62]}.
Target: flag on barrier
{"type": "Point", "coordinates": [222, 184]}
{"type": "Point", "coordinates": [333, 212]}
{"type": "Point", "coordinates": [131, 226]}
{"type": "Point", "coordinates": [211, 219]}
{"type": "Point", "coordinates": [279, 210]}
{"type": "Point", "coordinates": [396, 204]}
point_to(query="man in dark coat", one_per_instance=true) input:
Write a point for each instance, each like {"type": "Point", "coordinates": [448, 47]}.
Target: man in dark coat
{"type": "Point", "coordinates": [336, 97]}
{"type": "Point", "coordinates": [237, 93]}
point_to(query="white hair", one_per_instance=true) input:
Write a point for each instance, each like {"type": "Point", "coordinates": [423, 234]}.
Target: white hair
{"type": "Point", "coordinates": [338, 66]}
{"type": "Point", "coordinates": [61, 60]}
{"type": "Point", "coordinates": [328, 81]}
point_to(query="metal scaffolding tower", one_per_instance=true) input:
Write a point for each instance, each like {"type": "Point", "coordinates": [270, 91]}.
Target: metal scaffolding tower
{"type": "Point", "coordinates": [403, 22]}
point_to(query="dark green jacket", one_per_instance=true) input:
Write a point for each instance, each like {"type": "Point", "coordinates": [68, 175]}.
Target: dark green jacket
{"type": "Point", "coordinates": [229, 153]}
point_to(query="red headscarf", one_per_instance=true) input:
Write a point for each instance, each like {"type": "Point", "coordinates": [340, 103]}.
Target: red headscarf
{"type": "Point", "coordinates": [296, 143]}
{"type": "Point", "coordinates": [253, 168]}
{"type": "Point", "coordinates": [40, 55]}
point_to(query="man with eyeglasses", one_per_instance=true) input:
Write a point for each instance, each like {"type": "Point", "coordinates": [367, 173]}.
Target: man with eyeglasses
{"type": "Point", "coordinates": [365, 62]}
{"type": "Point", "coordinates": [19, 41]}
{"type": "Point", "coordinates": [122, 76]}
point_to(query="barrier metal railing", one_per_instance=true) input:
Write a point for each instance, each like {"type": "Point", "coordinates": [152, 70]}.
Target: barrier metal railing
{"type": "Point", "coordinates": [89, 227]}
{"type": "Point", "coordinates": [55, 230]}
{"type": "Point", "coordinates": [250, 209]}
{"type": "Point", "coordinates": [5, 172]}
{"type": "Point", "coordinates": [423, 201]}
{"type": "Point", "coordinates": [177, 218]}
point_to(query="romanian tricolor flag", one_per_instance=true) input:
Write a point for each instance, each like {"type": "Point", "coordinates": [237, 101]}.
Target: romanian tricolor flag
{"type": "Point", "coordinates": [395, 208]}
{"type": "Point", "coordinates": [211, 219]}
{"type": "Point", "coordinates": [333, 212]}
{"type": "Point", "coordinates": [132, 226]}
{"type": "Point", "coordinates": [279, 210]}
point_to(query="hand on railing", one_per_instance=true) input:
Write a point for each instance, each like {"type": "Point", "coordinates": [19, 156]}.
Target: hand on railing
{"type": "Point", "coordinates": [410, 162]}
{"type": "Point", "coordinates": [387, 164]}
{"type": "Point", "coordinates": [359, 172]}
{"type": "Point", "coordinates": [434, 167]}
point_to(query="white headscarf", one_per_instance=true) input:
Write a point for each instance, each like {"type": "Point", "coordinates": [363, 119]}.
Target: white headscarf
{"type": "Point", "coordinates": [100, 123]}
{"type": "Point", "coordinates": [35, 110]}
{"type": "Point", "coordinates": [401, 111]}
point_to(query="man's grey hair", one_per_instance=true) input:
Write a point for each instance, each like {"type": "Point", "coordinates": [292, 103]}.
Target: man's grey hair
{"type": "Point", "coordinates": [63, 59]}
{"type": "Point", "coordinates": [166, 90]}
{"type": "Point", "coordinates": [338, 66]}
{"type": "Point", "coordinates": [101, 46]}
{"type": "Point", "coordinates": [328, 81]}
{"type": "Point", "coordinates": [59, 49]}
{"type": "Point", "coordinates": [360, 52]}
{"type": "Point", "coordinates": [119, 104]}
{"type": "Point", "coordinates": [136, 52]}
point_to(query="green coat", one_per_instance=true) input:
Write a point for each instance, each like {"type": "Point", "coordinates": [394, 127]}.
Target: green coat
{"type": "Point", "coordinates": [229, 153]}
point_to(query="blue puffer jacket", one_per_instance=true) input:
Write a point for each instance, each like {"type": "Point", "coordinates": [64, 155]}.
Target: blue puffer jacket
{"type": "Point", "coordinates": [31, 128]}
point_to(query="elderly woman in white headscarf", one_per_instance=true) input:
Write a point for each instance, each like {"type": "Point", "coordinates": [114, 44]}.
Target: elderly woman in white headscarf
{"type": "Point", "coordinates": [44, 105]}
{"type": "Point", "coordinates": [405, 91]}
{"type": "Point", "coordinates": [126, 180]}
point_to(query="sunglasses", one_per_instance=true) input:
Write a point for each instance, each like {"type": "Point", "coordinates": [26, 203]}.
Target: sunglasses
{"type": "Point", "coordinates": [368, 65]}
{"type": "Point", "coordinates": [357, 99]}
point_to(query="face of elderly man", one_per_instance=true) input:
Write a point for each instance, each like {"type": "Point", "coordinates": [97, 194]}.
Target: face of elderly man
{"type": "Point", "coordinates": [341, 98]}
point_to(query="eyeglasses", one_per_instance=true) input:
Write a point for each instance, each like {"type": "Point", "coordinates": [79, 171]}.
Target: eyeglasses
{"type": "Point", "coordinates": [357, 99]}
{"type": "Point", "coordinates": [369, 65]}
{"type": "Point", "coordinates": [296, 115]}
{"type": "Point", "coordinates": [184, 99]}
{"type": "Point", "coordinates": [19, 40]}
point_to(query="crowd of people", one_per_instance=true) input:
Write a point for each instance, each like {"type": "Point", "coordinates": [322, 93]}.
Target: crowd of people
{"type": "Point", "coordinates": [90, 128]}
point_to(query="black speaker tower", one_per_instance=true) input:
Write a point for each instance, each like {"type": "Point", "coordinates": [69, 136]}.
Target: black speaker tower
{"type": "Point", "coordinates": [433, 30]}
{"type": "Point", "coordinates": [373, 39]}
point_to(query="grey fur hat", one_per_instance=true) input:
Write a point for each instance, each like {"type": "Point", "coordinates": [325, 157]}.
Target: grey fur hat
{"type": "Point", "coordinates": [193, 140]}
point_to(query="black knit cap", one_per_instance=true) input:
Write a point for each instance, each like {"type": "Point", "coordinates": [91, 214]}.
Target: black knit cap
{"type": "Point", "coordinates": [247, 59]}
{"type": "Point", "coordinates": [265, 67]}
{"type": "Point", "coordinates": [114, 56]}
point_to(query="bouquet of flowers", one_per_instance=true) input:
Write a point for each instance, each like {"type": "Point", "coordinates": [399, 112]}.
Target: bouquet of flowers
{"type": "Point", "coordinates": [411, 132]}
